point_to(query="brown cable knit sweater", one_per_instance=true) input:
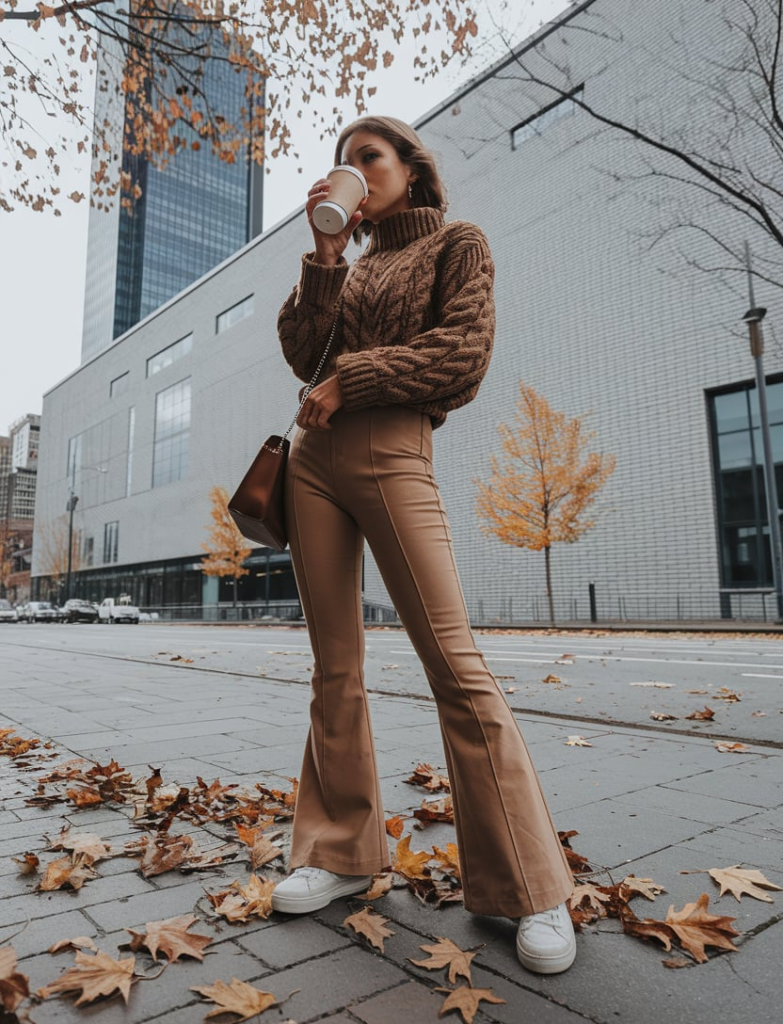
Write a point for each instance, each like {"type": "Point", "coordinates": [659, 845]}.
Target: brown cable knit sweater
{"type": "Point", "coordinates": [417, 316]}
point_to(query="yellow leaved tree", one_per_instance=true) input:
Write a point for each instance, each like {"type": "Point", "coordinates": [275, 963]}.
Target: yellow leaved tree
{"type": "Point", "coordinates": [543, 485]}
{"type": "Point", "coordinates": [226, 549]}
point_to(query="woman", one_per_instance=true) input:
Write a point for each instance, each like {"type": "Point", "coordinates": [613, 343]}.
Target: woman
{"type": "Point", "coordinates": [415, 330]}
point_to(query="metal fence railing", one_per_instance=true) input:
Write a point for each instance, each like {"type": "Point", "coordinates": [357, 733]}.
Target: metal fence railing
{"type": "Point", "coordinates": [258, 611]}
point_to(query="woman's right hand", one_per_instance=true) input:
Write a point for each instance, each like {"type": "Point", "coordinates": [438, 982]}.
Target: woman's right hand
{"type": "Point", "coordinates": [329, 248]}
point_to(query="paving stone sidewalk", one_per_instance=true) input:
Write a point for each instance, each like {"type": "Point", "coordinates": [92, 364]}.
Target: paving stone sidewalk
{"type": "Point", "coordinates": [650, 805]}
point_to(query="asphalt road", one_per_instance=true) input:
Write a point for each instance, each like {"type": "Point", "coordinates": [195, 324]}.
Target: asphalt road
{"type": "Point", "coordinates": [615, 678]}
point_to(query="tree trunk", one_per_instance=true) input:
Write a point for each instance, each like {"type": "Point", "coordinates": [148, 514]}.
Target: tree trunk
{"type": "Point", "coordinates": [235, 596]}
{"type": "Point", "coordinates": [547, 551]}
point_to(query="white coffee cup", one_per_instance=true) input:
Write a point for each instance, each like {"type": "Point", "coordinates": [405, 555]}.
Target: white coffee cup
{"type": "Point", "coordinates": [348, 189]}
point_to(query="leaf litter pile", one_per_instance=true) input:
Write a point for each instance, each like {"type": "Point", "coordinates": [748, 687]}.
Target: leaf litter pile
{"type": "Point", "coordinates": [249, 822]}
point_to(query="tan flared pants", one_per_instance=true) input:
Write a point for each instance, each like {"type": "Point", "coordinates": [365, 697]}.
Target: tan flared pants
{"type": "Point", "coordinates": [371, 476]}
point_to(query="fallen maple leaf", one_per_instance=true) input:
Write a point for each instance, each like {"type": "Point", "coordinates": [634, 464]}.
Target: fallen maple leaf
{"type": "Point", "coordinates": [695, 928]}
{"type": "Point", "coordinates": [551, 679]}
{"type": "Point", "coordinates": [577, 741]}
{"type": "Point", "coordinates": [262, 849]}
{"type": "Point", "coordinates": [659, 716]}
{"type": "Point", "coordinates": [14, 987]}
{"type": "Point", "coordinates": [86, 844]}
{"type": "Point", "coordinates": [436, 810]}
{"type": "Point", "coordinates": [643, 886]}
{"type": "Point", "coordinates": [446, 954]}
{"type": "Point", "coordinates": [28, 863]}
{"type": "Point", "coordinates": [394, 826]}
{"type": "Point", "coordinates": [94, 975]}
{"type": "Point", "coordinates": [588, 891]}
{"type": "Point", "coordinates": [702, 716]}
{"type": "Point", "coordinates": [466, 1000]}
{"type": "Point", "coordinates": [88, 796]}
{"type": "Point", "coordinates": [237, 997]}
{"type": "Point", "coordinates": [66, 871]}
{"type": "Point", "coordinates": [426, 776]}
{"type": "Point", "coordinates": [80, 942]}
{"type": "Point", "coordinates": [448, 859]}
{"type": "Point", "coordinates": [742, 882]}
{"type": "Point", "coordinates": [724, 693]}
{"type": "Point", "coordinates": [730, 748]}
{"type": "Point", "coordinates": [408, 863]}
{"type": "Point", "coordinates": [380, 886]}
{"type": "Point", "coordinates": [170, 937]}
{"type": "Point", "coordinates": [240, 902]}
{"type": "Point", "coordinates": [371, 925]}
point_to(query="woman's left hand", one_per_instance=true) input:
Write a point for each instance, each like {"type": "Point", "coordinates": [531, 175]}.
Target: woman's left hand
{"type": "Point", "coordinates": [322, 402]}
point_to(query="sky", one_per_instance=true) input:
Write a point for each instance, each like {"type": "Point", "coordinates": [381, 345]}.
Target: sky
{"type": "Point", "coordinates": [42, 257]}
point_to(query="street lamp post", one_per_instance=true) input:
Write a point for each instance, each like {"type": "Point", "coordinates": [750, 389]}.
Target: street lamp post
{"type": "Point", "coordinates": [73, 501]}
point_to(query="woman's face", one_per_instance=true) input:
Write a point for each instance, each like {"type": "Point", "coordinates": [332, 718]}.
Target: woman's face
{"type": "Point", "coordinates": [386, 175]}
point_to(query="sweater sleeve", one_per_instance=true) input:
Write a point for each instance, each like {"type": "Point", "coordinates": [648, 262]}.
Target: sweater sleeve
{"type": "Point", "coordinates": [306, 317]}
{"type": "Point", "coordinates": [448, 359]}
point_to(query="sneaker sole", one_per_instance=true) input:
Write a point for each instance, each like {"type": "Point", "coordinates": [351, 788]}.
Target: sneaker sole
{"type": "Point", "coordinates": [312, 902]}
{"type": "Point", "coordinates": [547, 964]}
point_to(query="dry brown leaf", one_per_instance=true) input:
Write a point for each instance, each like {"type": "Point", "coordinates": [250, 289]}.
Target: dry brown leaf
{"type": "Point", "coordinates": [577, 741]}
{"type": "Point", "coordinates": [577, 863]}
{"type": "Point", "coordinates": [87, 844]}
{"type": "Point", "coordinates": [408, 863]}
{"type": "Point", "coordinates": [72, 871]}
{"type": "Point", "coordinates": [643, 886]}
{"type": "Point", "coordinates": [702, 716]}
{"type": "Point", "coordinates": [240, 902]}
{"type": "Point", "coordinates": [466, 1000]}
{"type": "Point", "coordinates": [436, 810]}
{"type": "Point", "coordinates": [28, 863]}
{"type": "Point", "coordinates": [676, 961]}
{"type": "Point", "coordinates": [14, 987]}
{"type": "Point", "coordinates": [381, 884]}
{"type": "Point", "coordinates": [394, 826]}
{"type": "Point", "coordinates": [371, 925]}
{"type": "Point", "coordinates": [237, 997]}
{"type": "Point", "coordinates": [551, 679]}
{"type": "Point", "coordinates": [162, 853]}
{"type": "Point", "coordinates": [88, 796]}
{"type": "Point", "coordinates": [700, 692]}
{"type": "Point", "coordinates": [80, 942]}
{"type": "Point", "coordinates": [741, 881]}
{"type": "Point", "coordinates": [724, 693]}
{"type": "Point", "coordinates": [591, 894]}
{"type": "Point", "coordinates": [426, 776]}
{"type": "Point", "coordinates": [660, 716]}
{"type": "Point", "coordinates": [170, 937]}
{"type": "Point", "coordinates": [730, 748]}
{"type": "Point", "coordinates": [446, 954]}
{"type": "Point", "coordinates": [262, 849]}
{"type": "Point", "coordinates": [695, 928]}
{"type": "Point", "coordinates": [94, 975]}
{"type": "Point", "coordinates": [448, 859]}
{"type": "Point", "coordinates": [647, 929]}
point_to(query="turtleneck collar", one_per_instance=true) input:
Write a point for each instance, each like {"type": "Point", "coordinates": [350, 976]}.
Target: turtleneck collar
{"type": "Point", "coordinates": [401, 229]}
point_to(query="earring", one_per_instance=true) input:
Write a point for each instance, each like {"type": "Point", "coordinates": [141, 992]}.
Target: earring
{"type": "Point", "coordinates": [410, 192]}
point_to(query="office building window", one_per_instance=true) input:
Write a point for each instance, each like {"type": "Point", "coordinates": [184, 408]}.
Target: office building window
{"type": "Point", "coordinates": [563, 107]}
{"type": "Point", "coordinates": [738, 457]}
{"type": "Point", "coordinates": [172, 434]}
{"type": "Point", "coordinates": [119, 385]}
{"type": "Point", "coordinates": [131, 433]}
{"type": "Point", "coordinates": [232, 316]}
{"type": "Point", "coordinates": [169, 355]}
{"type": "Point", "coordinates": [88, 551]}
{"type": "Point", "coordinates": [74, 456]}
{"type": "Point", "coordinates": [111, 540]}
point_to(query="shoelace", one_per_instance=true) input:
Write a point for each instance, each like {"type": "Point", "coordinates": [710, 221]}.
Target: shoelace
{"type": "Point", "coordinates": [545, 917]}
{"type": "Point", "coordinates": [307, 872]}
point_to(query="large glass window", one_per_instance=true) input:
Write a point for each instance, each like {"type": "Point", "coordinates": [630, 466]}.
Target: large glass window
{"type": "Point", "coordinates": [172, 434]}
{"type": "Point", "coordinates": [232, 316]}
{"type": "Point", "coordinates": [111, 542]}
{"type": "Point", "coordinates": [739, 475]}
{"type": "Point", "coordinates": [74, 456]}
{"type": "Point", "coordinates": [169, 355]}
{"type": "Point", "coordinates": [563, 107]}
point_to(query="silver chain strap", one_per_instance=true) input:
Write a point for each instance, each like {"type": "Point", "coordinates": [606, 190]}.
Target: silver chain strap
{"type": "Point", "coordinates": [314, 377]}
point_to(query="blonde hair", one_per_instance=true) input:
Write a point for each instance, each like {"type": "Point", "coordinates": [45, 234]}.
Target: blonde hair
{"type": "Point", "coordinates": [427, 188]}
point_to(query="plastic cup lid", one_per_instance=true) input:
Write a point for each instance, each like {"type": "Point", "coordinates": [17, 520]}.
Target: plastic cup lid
{"type": "Point", "coordinates": [329, 217]}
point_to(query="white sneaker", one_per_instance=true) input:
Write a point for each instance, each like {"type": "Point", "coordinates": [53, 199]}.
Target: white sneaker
{"type": "Point", "coordinates": [545, 942]}
{"type": "Point", "coordinates": [309, 889]}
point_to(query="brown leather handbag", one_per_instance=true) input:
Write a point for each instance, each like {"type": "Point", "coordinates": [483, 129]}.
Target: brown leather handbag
{"type": "Point", "coordinates": [258, 504]}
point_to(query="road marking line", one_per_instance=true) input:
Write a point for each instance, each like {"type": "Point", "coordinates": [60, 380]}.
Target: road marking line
{"type": "Point", "coordinates": [756, 675]}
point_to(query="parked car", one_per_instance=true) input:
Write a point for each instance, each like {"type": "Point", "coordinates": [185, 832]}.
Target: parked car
{"type": "Point", "coordinates": [37, 611]}
{"type": "Point", "coordinates": [110, 610]}
{"type": "Point", "coordinates": [77, 610]}
{"type": "Point", "coordinates": [7, 613]}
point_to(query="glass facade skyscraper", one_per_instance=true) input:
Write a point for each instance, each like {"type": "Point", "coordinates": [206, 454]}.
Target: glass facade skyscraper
{"type": "Point", "coordinates": [191, 215]}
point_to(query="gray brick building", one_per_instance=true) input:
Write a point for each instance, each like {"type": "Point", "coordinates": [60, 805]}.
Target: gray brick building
{"type": "Point", "coordinates": [603, 306]}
